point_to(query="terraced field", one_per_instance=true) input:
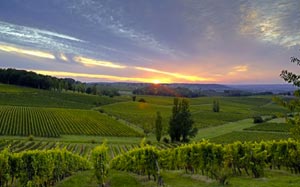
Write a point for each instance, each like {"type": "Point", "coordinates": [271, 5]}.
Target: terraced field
{"type": "Point", "coordinates": [53, 122]}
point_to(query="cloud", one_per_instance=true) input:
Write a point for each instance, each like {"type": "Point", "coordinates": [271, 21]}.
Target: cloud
{"type": "Point", "coordinates": [98, 76]}
{"type": "Point", "coordinates": [241, 68]}
{"type": "Point", "coordinates": [32, 33]}
{"type": "Point", "coordinates": [277, 22]}
{"type": "Point", "coordinates": [40, 39]}
{"type": "Point", "coordinates": [63, 57]}
{"type": "Point", "coordinates": [177, 75]}
{"type": "Point", "coordinates": [93, 62]}
{"type": "Point", "coordinates": [117, 20]}
{"type": "Point", "coordinates": [18, 50]}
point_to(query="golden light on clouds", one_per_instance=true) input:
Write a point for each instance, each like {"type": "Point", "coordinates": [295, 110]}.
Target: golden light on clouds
{"type": "Point", "coordinates": [22, 51]}
{"type": "Point", "coordinates": [177, 75]}
{"type": "Point", "coordinates": [63, 57]}
{"type": "Point", "coordinates": [93, 62]}
{"type": "Point", "coordinates": [269, 25]}
{"type": "Point", "coordinates": [242, 68]}
{"type": "Point", "coordinates": [97, 76]}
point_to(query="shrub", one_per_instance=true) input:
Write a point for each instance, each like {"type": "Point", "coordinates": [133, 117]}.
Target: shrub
{"type": "Point", "coordinates": [142, 100]}
{"type": "Point", "coordinates": [166, 140]}
{"type": "Point", "coordinates": [257, 119]}
{"type": "Point", "coordinates": [30, 137]}
{"type": "Point", "coordinates": [101, 110]}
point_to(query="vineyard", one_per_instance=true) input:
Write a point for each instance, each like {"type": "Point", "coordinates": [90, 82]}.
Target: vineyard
{"type": "Point", "coordinates": [82, 149]}
{"type": "Point", "coordinates": [22, 96]}
{"type": "Point", "coordinates": [47, 125]}
{"type": "Point", "coordinates": [232, 109]}
{"type": "Point", "coordinates": [39, 168]}
{"type": "Point", "coordinates": [52, 122]}
{"type": "Point", "coordinates": [216, 161]}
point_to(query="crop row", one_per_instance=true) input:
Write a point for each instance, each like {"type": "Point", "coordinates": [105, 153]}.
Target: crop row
{"type": "Point", "coordinates": [52, 122]}
{"type": "Point", "coordinates": [83, 149]}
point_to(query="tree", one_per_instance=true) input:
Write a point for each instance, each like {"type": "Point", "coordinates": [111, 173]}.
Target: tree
{"type": "Point", "coordinates": [133, 98]}
{"type": "Point", "coordinates": [181, 122]}
{"type": "Point", "coordinates": [216, 105]}
{"type": "Point", "coordinates": [158, 126]}
{"type": "Point", "coordinates": [292, 105]}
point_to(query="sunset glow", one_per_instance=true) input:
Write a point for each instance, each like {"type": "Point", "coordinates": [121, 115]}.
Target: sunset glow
{"type": "Point", "coordinates": [17, 50]}
{"type": "Point", "coordinates": [205, 42]}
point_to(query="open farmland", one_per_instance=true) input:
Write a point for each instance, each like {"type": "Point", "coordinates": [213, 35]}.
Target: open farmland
{"type": "Point", "coordinates": [53, 122]}
{"type": "Point", "coordinates": [22, 96]}
{"type": "Point", "coordinates": [232, 109]}
{"type": "Point", "coordinates": [79, 122]}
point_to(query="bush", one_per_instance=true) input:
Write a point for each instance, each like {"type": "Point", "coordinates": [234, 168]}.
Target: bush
{"type": "Point", "coordinates": [101, 110]}
{"type": "Point", "coordinates": [166, 140]}
{"type": "Point", "coordinates": [148, 142]}
{"type": "Point", "coordinates": [257, 119]}
{"type": "Point", "coordinates": [142, 100]}
{"type": "Point", "coordinates": [30, 137]}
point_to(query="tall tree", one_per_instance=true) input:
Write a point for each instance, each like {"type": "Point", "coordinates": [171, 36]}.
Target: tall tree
{"type": "Point", "coordinates": [158, 126]}
{"type": "Point", "coordinates": [181, 122]}
{"type": "Point", "coordinates": [293, 105]}
{"type": "Point", "coordinates": [216, 105]}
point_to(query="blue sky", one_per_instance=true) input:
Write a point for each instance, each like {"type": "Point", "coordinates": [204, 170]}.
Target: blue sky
{"type": "Point", "coordinates": [194, 41]}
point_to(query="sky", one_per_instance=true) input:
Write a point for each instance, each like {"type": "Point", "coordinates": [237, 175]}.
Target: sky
{"type": "Point", "coordinates": [156, 41]}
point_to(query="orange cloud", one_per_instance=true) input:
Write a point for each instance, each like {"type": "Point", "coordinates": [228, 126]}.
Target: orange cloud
{"type": "Point", "coordinates": [177, 75]}
{"type": "Point", "coordinates": [19, 50]}
{"type": "Point", "coordinates": [93, 62]}
{"type": "Point", "coordinates": [97, 76]}
{"type": "Point", "coordinates": [242, 68]}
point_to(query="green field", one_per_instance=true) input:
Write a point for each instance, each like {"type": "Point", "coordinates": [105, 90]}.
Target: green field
{"type": "Point", "coordinates": [79, 122]}
{"type": "Point", "coordinates": [20, 96]}
{"type": "Point", "coordinates": [232, 109]}
{"type": "Point", "coordinates": [53, 122]}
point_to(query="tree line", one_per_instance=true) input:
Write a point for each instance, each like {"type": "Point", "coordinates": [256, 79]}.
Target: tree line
{"type": "Point", "coordinates": [164, 90]}
{"type": "Point", "coordinates": [46, 82]}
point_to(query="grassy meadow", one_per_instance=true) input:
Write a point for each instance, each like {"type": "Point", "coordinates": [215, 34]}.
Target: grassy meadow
{"type": "Point", "coordinates": [32, 119]}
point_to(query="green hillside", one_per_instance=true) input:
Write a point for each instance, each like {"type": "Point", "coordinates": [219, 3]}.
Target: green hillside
{"type": "Point", "coordinates": [232, 109]}
{"type": "Point", "coordinates": [23, 96]}
{"type": "Point", "coordinates": [52, 122]}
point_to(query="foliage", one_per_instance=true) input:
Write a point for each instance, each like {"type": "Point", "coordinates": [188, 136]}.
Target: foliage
{"type": "Point", "coordinates": [158, 126]}
{"type": "Point", "coordinates": [34, 80]}
{"type": "Point", "coordinates": [257, 119]}
{"type": "Point", "coordinates": [39, 168]}
{"type": "Point", "coordinates": [143, 161]}
{"type": "Point", "coordinates": [294, 104]}
{"type": "Point", "coordinates": [165, 90]}
{"type": "Point", "coordinates": [216, 106]}
{"type": "Point", "coordinates": [181, 123]}
{"type": "Point", "coordinates": [101, 163]}
{"type": "Point", "coordinates": [142, 100]}
{"type": "Point", "coordinates": [216, 161]}
{"type": "Point", "coordinates": [133, 98]}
